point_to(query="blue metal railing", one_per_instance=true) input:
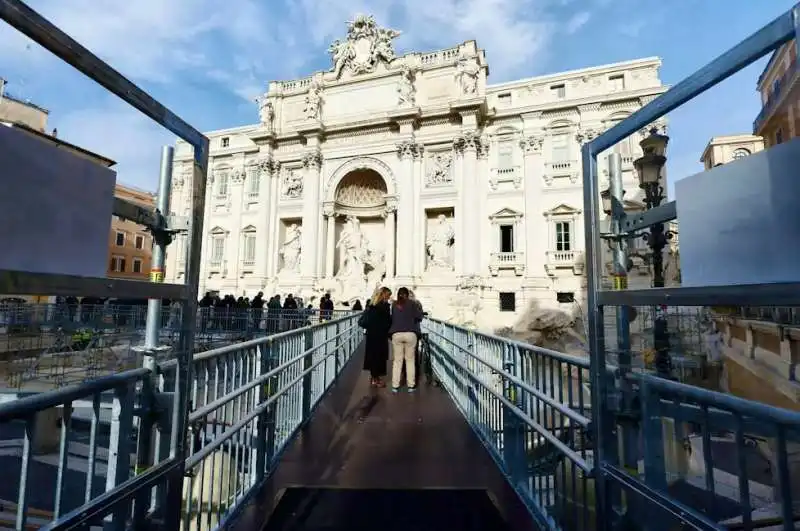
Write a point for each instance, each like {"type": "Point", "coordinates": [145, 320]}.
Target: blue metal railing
{"type": "Point", "coordinates": [247, 402]}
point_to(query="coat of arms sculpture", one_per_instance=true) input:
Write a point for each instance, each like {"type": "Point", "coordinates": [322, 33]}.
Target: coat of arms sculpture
{"type": "Point", "coordinates": [366, 45]}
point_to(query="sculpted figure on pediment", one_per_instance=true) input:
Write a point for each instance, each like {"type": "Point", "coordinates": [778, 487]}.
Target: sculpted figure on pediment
{"type": "Point", "coordinates": [406, 94]}
{"type": "Point", "coordinates": [313, 108]}
{"type": "Point", "coordinates": [266, 112]}
{"type": "Point", "coordinates": [467, 74]}
{"type": "Point", "coordinates": [365, 46]}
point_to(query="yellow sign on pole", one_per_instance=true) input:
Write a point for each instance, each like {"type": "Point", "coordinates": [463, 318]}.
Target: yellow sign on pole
{"type": "Point", "coordinates": [620, 282]}
{"type": "Point", "coordinates": [157, 276]}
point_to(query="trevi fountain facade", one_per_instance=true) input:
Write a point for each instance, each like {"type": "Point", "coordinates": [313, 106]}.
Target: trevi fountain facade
{"type": "Point", "coordinates": [410, 170]}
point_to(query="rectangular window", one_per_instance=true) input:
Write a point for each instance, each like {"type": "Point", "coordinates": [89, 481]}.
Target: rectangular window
{"type": "Point", "coordinates": [249, 248]}
{"type": "Point", "coordinates": [120, 241]}
{"type": "Point", "coordinates": [225, 141]}
{"type": "Point", "coordinates": [137, 265]}
{"type": "Point", "coordinates": [559, 91]}
{"type": "Point", "coordinates": [117, 264]}
{"type": "Point", "coordinates": [560, 147]}
{"type": "Point", "coordinates": [505, 155]}
{"type": "Point", "coordinates": [508, 302]}
{"type": "Point", "coordinates": [563, 236]}
{"type": "Point", "coordinates": [139, 241]}
{"type": "Point", "coordinates": [616, 82]}
{"type": "Point", "coordinates": [506, 238]}
{"type": "Point", "coordinates": [217, 249]}
{"type": "Point", "coordinates": [565, 297]}
{"type": "Point", "coordinates": [253, 183]}
{"type": "Point", "coordinates": [222, 184]}
{"type": "Point", "coordinates": [779, 136]}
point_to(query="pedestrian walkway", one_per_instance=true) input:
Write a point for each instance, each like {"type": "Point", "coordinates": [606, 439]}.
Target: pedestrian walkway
{"type": "Point", "coordinates": [405, 461]}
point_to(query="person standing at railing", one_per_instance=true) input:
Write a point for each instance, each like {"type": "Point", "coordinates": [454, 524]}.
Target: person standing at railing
{"type": "Point", "coordinates": [257, 307]}
{"type": "Point", "coordinates": [274, 315]}
{"type": "Point", "coordinates": [325, 307]}
{"type": "Point", "coordinates": [406, 316]}
{"type": "Point", "coordinates": [376, 321]}
{"type": "Point", "coordinates": [357, 306]}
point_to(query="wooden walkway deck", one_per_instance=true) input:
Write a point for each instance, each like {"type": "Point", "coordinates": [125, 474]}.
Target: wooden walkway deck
{"type": "Point", "coordinates": [386, 457]}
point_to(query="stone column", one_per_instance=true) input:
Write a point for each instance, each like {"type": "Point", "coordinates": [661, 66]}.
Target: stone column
{"type": "Point", "coordinates": [536, 245]}
{"type": "Point", "coordinates": [420, 218]}
{"type": "Point", "coordinates": [330, 236]}
{"type": "Point", "coordinates": [468, 144]}
{"type": "Point", "coordinates": [407, 151]}
{"type": "Point", "coordinates": [312, 161]}
{"type": "Point", "coordinates": [389, 216]}
{"type": "Point", "coordinates": [267, 167]}
{"type": "Point", "coordinates": [274, 227]}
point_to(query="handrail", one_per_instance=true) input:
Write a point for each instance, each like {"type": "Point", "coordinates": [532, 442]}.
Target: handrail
{"type": "Point", "coordinates": [580, 419]}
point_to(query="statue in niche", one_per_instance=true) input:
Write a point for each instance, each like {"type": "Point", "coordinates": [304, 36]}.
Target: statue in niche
{"type": "Point", "coordinates": [406, 94]}
{"type": "Point", "coordinates": [352, 247]}
{"type": "Point", "coordinates": [467, 74]}
{"type": "Point", "coordinates": [440, 172]}
{"type": "Point", "coordinates": [439, 243]}
{"type": "Point", "coordinates": [292, 185]}
{"type": "Point", "coordinates": [291, 248]}
{"type": "Point", "coordinates": [266, 112]}
{"type": "Point", "coordinates": [313, 106]}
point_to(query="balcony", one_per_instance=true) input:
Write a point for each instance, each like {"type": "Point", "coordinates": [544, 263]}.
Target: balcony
{"type": "Point", "coordinates": [509, 260]}
{"type": "Point", "coordinates": [776, 97]}
{"type": "Point", "coordinates": [506, 175]}
{"type": "Point", "coordinates": [564, 260]}
{"type": "Point", "coordinates": [561, 169]}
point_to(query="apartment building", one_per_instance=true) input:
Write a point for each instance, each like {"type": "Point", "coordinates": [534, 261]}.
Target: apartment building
{"type": "Point", "coordinates": [18, 111]}
{"type": "Point", "coordinates": [724, 149]}
{"type": "Point", "coordinates": [130, 245]}
{"type": "Point", "coordinates": [779, 118]}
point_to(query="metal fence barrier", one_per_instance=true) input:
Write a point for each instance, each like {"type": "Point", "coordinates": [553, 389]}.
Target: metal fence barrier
{"type": "Point", "coordinates": [248, 400]}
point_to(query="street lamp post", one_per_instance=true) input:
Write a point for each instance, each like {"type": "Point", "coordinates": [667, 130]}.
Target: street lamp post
{"type": "Point", "coordinates": [648, 167]}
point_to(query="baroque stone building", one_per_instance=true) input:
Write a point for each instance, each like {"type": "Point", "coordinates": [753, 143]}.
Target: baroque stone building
{"type": "Point", "coordinates": [411, 170]}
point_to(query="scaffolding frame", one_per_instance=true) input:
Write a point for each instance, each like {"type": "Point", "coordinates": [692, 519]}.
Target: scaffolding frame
{"type": "Point", "coordinates": [30, 23]}
{"type": "Point", "coordinates": [769, 38]}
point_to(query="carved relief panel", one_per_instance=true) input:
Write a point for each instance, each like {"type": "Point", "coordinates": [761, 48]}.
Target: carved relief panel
{"type": "Point", "coordinates": [439, 169]}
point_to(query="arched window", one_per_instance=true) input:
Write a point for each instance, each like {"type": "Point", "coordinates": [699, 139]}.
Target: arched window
{"type": "Point", "coordinates": [740, 153]}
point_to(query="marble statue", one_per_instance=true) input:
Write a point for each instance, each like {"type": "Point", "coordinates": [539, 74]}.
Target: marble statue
{"type": "Point", "coordinates": [313, 101]}
{"type": "Point", "coordinates": [439, 244]}
{"type": "Point", "coordinates": [291, 248]}
{"type": "Point", "coordinates": [292, 185]}
{"type": "Point", "coordinates": [266, 112]}
{"type": "Point", "coordinates": [366, 45]}
{"type": "Point", "coordinates": [467, 75]}
{"type": "Point", "coordinates": [406, 94]}
{"type": "Point", "coordinates": [352, 247]}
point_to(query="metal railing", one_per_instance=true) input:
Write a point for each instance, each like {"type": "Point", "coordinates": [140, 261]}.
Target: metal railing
{"type": "Point", "coordinates": [641, 421]}
{"type": "Point", "coordinates": [248, 400]}
{"type": "Point", "coordinates": [530, 408]}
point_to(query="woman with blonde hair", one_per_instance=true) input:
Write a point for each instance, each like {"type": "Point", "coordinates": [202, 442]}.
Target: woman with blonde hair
{"type": "Point", "coordinates": [376, 321]}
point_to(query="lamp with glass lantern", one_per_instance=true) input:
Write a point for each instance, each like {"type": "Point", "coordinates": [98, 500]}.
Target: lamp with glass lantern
{"type": "Point", "coordinates": [648, 168]}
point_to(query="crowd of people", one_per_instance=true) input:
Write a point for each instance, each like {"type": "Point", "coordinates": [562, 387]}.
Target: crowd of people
{"type": "Point", "coordinates": [396, 325]}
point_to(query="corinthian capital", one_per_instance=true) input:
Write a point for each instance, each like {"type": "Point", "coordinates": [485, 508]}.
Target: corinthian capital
{"type": "Point", "coordinates": [586, 135]}
{"type": "Point", "coordinates": [268, 166]}
{"type": "Point", "coordinates": [467, 141]}
{"type": "Point", "coordinates": [313, 159]}
{"type": "Point", "coordinates": [532, 144]}
{"type": "Point", "coordinates": [408, 149]}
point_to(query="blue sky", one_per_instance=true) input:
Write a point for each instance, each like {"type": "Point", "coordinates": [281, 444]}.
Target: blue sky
{"type": "Point", "coordinates": [207, 59]}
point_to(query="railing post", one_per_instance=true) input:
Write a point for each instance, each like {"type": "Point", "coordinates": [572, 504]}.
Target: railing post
{"type": "Point", "coordinates": [338, 351]}
{"type": "Point", "coordinates": [144, 450]}
{"type": "Point", "coordinates": [513, 428]}
{"type": "Point", "coordinates": [265, 425]}
{"type": "Point", "coordinates": [308, 361]}
{"type": "Point", "coordinates": [119, 460]}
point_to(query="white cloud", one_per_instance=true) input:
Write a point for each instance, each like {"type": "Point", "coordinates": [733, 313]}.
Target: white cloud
{"type": "Point", "coordinates": [577, 21]}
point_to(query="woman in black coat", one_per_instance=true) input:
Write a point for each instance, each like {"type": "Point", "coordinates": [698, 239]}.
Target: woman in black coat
{"type": "Point", "coordinates": [377, 321]}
